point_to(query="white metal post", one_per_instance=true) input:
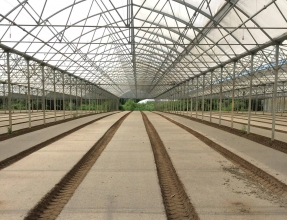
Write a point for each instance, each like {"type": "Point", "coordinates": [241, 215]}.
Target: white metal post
{"type": "Point", "coordinates": [55, 104]}
{"type": "Point", "coordinates": [81, 100]}
{"type": "Point", "coordinates": [90, 92]}
{"type": "Point", "coordinates": [180, 97]}
{"type": "Point", "coordinates": [63, 78]}
{"type": "Point", "coordinates": [4, 107]}
{"type": "Point", "coordinates": [250, 94]}
{"type": "Point", "coordinates": [191, 97]}
{"type": "Point", "coordinates": [256, 103]}
{"type": "Point", "coordinates": [264, 101]}
{"type": "Point", "coordinates": [71, 106]}
{"type": "Point", "coordinates": [9, 92]}
{"type": "Point", "coordinates": [275, 92]}
{"type": "Point", "coordinates": [43, 95]}
{"type": "Point", "coordinates": [28, 94]}
{"type": "Point", "coordinates": [211, 93]}
{"type": "Point", "coordinates": [202, 100]}
{"type": "Point", "coordinates": [282, 101]}
{"type": "Point", "coordinates": [196, 101]}
{"type": "Point", "coordinates": [187, 99]}
{"type": "Point", "coordinates": [20, 100]}
{"type": "Point", "coordinates": [233, 91]}
{"type": "Point", "coordinates": [220, 96]}
{"type": "Point", "coordinates": [76, 96]}
{"type": "Point", "coordinates": [37, 100]}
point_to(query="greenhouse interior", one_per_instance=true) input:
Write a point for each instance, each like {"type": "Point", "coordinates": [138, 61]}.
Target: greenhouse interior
{"type": "Point", "coordinates": [211, 70]}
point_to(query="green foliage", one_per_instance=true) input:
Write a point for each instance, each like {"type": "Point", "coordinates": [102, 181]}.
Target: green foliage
{"type": "Point", "coordinates": [9, 130]}
{"type": "Point", "coordinates": [244, 129]}
{"type": "Point", "coordinates": [238, 104]}
{"type": "Point", "coordinates": [85, 107]}
{"type": "Point", "coordinates": [130, 105]}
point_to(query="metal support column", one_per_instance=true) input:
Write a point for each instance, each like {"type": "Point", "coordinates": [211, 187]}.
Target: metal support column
{"type": "Point", "coordinates": [95, 98]}
{"type": "Point", "coordinates": [282, 101]}
{"type": "Point", "coordinates": [191, 97]}
{"type": "Point", "coordinates": [20, 100]}
{"type": "Point", "coordinates": [71, 105]}
{"type": "Point", "coordinates": [187, 99]}
{"type": "Point", "coordinates": [81, 100]}
{"type": "Point", "coordinates": [37, 100]}
{"type": "Point", "coordinates": [202, 100]}
{"type": "Point", "coordinates": [256, 104]}
{"type": "Point", "coordinates": [77, 97]}
{"type": "Point", "coordinates": [63, 79]}
{"type": "Point", "coordinates": [264, 100]}
{"type": "Point", "coordinates": [28, 94]}
{"type": "Point", "coordinates": [211, 94]}
{"type": "Point", "coordinates": [220, 96]}
{"type": "Point", "coordinates": [55, 104]}
{"type": "Point", "coordinates": [97, 101]}
{"type": "Point", "coordinates": [275, 92]}
{"type": "Point", "coordinates": [32, 106]}
{"type": "Point", "coordinates": [85, 98]}
{"type": "Point", "coordinates": [196, 101]}
{"type": "Point", "coordinates": [9, 93]}
{"type": "Point", "coordinates": [43, 95]}
{"type": "Point", "coordinates": [3, 99]}
{"type": "Point", "coordinates": [90, 92]}
{"type": "Point", "coordinates": [250, 94]}
{"type": "Point", "coordinates": [233, 92]}
{"type": "Point", "coordinates": [180, 99]}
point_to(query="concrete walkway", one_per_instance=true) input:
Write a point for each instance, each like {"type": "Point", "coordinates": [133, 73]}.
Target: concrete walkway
{"type": "Point", "coordinates": [24, 183]}
{"type": "Point", "coordinates": [272, 161]}
{"type": "Point", "coordinates": [217, 189]}
{"type": "Point", "coordinates": [267, 133]}
{"type": "Point", "coordinates": [21, 120]}
{"type": "Point", "coordinates": [15, 145]}
{"type": "Point", "coordinates": [123, 183]}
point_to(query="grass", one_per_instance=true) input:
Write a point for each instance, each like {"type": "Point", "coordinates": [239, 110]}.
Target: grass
{"type": "Point", "coordinates": [243, 129]}
{"type": "Point", "coordinates": [9, 130]}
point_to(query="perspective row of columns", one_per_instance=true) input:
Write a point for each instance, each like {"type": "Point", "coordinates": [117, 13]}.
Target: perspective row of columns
{"type": "Point", "coordinates": [96, 101]}
{"type": "Point", "coordinates": [171, 101]}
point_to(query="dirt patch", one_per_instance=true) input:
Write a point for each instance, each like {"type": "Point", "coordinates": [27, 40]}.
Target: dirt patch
{"type": "Point", "coordinates": [54, 201]}
{"type": "Point", "coordinates": [276, 144]}
{"type": "Point", "coordinates": [176, 201]}
{"type": "Point", "coordinates": [252, 187]}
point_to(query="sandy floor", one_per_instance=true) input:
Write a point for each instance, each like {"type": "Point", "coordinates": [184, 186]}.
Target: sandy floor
{"type": "Point", "coordinates": [123, 183]}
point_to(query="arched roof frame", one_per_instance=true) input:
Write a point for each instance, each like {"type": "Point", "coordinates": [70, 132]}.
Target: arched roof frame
{"type": "Point", "coordinates": [201, 35]}
{"type": "Point", "coordinates": [159, 12]}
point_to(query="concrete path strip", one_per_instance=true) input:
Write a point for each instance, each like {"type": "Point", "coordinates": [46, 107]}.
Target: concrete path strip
{"type": "Point", "coordinates": [23, 184]}
{"type": "Point", "coordinates": [257, 154]}
{"type": "Point", "coordinates": [122, 184]}
{"type": "Point", "coordinates": [217, 189]}
{"type": "Point", "coordinates": [13, 146]}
